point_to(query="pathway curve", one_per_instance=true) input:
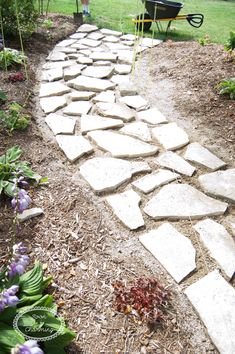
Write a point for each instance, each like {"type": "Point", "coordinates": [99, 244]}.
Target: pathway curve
{"type": "Point", "coordinates": [154, 179]}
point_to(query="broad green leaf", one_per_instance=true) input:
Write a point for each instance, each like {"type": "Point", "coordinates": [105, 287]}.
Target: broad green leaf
{"type": "Point", "coordinates": [13, 154]}
{"type": "Point", "coordinates": [7, 315]}
{"type": "Point", "coordinates": [8, 190]}
{"type": "Point", "coordinates": [3, 96]}
{"type": "Point", "coordinates": [29, 300]}
{"type": "Point", "coordinates": [9, 338]}
{"type": "Point", "coordinates": [31, 282]}
{"type": "Point", "coordinates": [46, 281]}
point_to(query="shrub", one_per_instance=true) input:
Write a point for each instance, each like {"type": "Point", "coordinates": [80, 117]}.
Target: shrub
{"type": "Point", "coordinates": [227, 87]}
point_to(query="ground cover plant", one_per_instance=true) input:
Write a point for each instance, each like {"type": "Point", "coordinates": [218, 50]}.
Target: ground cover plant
{"type": "Point", "coordinates": [227, 87]}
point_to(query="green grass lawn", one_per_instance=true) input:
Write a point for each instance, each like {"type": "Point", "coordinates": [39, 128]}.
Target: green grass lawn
{"type": "Point", "coordinates": [219, 17]}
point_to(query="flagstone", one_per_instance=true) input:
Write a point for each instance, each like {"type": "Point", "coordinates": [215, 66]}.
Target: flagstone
{"type": "Point", "coordinates": [57, 56]}
{"type": "Point", "coordinates": [170, 136]}
{"type": "Point", "coordinates": [99, 72]}
{"type": "Point", "coordinates": [175, 162]}
{"type": "Point", "coordinates": [219, 243]}
{"type": "Point", "coordinates": [90, 42]}
{"type": "Point", "coordinates": [115, 110]}
{"type": "Point", "coordinates": [79, 46]}
{"type": "Point", "coordinates": [73, 71]}
{"type": "Point", "coordinates": [74, 56]}
{"type": "Point", "coordinates": [182, 201]}
{"type": "Point", "coordinates": [53, 89]}
{"type": "Point", "coordinates": [103, 56]}
{"type": "Point", "coordinates": [220, 184]}
{"type": "Point", "coordinates": [78, 35]}
{"type": "Point", "coordinates": [128, 43]}
{"type": "Point", "coordinates": [78, 108]}
{"type": "Point", "coordinates": [66, 50]}
{"type": "Point", "coordinates": [52, 104]}
{"type": "Point", "coordinates": [105, 96]}
{"type": "Point", "coordinates": [126, 207]}
{"type": "Point", "coordinates": [137, 102]}
{"type": "Point", "coordinates": [129, 37]}
{"type": "Point", "coordinates": [111, 39]}
{"type": "Point", "coordinates": [90, 84]}
{"type": "Point", "coordinates": [81, 95]}
{"type": "Point", "coordinates": [118, 79]}
{"type": "Point", "coordinates": [52, 75]}
{"type": "Point", "coordinates": [139, 130]}
{"type": "Point", "coordinates": [115, 47]}
{"type": "Point", "coordinates": [127, 89]}
{"type": "Point", "coordinates": [85, 52]}
{"type": "Point", "coordinates": [108, 32]}
{"type": "Point", "coordinates": [84, 60]}
{"type": "Point", "coordinates": [87, 28]}
{"type": "Point", "coordinates": [91, 122]}
{"type": "Point", "coordinates": [172, 249]}
{"type": "Point", "coordinates": [58, 64]}
{"type": "Point", "coordinates": [150, 182]}
{"type": "Point", "coordinates": [102, 63]}
{"type": "Point", "coordinates": [199, 154]}
{"type": "Point", "coordinates": [105, 174]}
{"type": "Point", "coordinates": [214, 300]}
{"type": "Point", "coordinates": [60, 124]}
{"type": "Point", "coordinates": [152, 116]}
{"type": "Point", "coordinates": [96, 36]}
{"type": "Point", "coordinates": [29, 214]}
{"type": "Point", "coordinates": [122, 69]}
{"type": "Point", "coordinates": [74, 146]}
{"type": "Point", "coordinates": [150, 42]}
{"type": "Point", "coordinates": [125, 56]}
{"type": "Point", "coordinates": [66, 43]}
{"type": "Point", "coordinates": [120, 145]}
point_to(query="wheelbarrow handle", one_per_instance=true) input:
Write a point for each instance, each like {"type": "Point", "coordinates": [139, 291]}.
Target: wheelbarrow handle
{"type": "Point", "coordinates": [195, 20]}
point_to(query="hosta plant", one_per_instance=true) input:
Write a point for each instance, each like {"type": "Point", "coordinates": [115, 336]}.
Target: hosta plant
{"type": "Point", "coordinates": [227, 87]}
{"type": "Point", "coordinates": [9, 57]}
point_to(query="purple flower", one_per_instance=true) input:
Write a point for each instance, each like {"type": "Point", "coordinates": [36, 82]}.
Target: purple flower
{"type": "Point", "coordinates": [29, 347]}
{"type": "Point", "coordinates": [21, 199]}
{"type": "Point", "coordinates": [8, 297]}
{"type": "Point", "coordinates": [19, 262]}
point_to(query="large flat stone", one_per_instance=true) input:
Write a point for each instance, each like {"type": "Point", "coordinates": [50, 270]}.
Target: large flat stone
{"type": "Point", "coordinates": [78, 35]}
{"type": "Point", "coordinates": [90, 84]}
{"type": "Point", "coordinates": [220, 184]}
{"type": "Point", "coordinates": [139, 130]}
{"type": "Point", "coordinates": [137, 102]}
{"type": "Point", "coordinates": [172, 249]}
{"type": "Point", "coordinates": [99, 72]}
{"type": "Point", "coordinates": [197, 153]}
{"type": "Point", "coordinates": [81, 59]}
{"type": "Point", "coordinates": [58, 64]}
{"type": "Point", "coordinates": [53, 89]}
{"type": "Point", "coordinates": [174, 162]}
{"type": "Point", "coordinates": [59, 124]}
{"type": "Point", "coordinates": [127, 89]}
{"type": "Point", "coordinates": [102, 63]}
{"type": "Point", "coordinates": [106, 96]}
{"type": "Point", "coordinates": [170, 136]}
{"type": "Point", "coordinates": [214, 301]}
{"type": "Point", "coordinates": [103, 56]}
{"type": "Point", "coordinates": [108, 32]}
{"type": "Point", "coordinates": [219, 243]}
{"type": "Point", "coordinates": [150, 42]}
{"type": "Point", "coordinates": [96, 36]}
{"type": "Point", "coordinates": [90, 42]}
{"type": "Point", "coordinates": [128, 37]}
{"type": "Point", "coordinates": [87, 28]}
{"type": "Point", "coordinates": [119, 79]}
{"type": "Point", "coordinates": [57, 56]}
{"type": "Point", "coordinates": [29, 214]}
{"type": "Point", "coordinates": [78, 108]}
{"type": "Point", "coordinates": [66, 50]}
{"type": "Point", "coordinates": [111, 39]}
{"type": "Point", "coordinates": [52, 104]}
{"type": "Point", "coordinates": [89, 123]}
{"type": "Point", "coordinates": [73, 71]}
{"type": "Point", "coordinates": [125, 56]}
{"type": "Point", "coordinates": [105, 174]}
{"type": "Point", "coordinates": [66, 43]}
{"type": "Point", "coordinates": [52, 75]}
{"type": "Point", "coordinates": [115, 47]}
{"type": "Point", "coordinates": [81, 95]}
{"type": "Point", "coordinates": [148, 183]}
{"type": "Point", "coordinates": [120, 145]}
{"type": "Point", "coordinates": [116, 110]}
{"type": "Point", "coordinates": [152, 116]}
{"type": "Point", "coordinates": [182, 201]}
{"type": "Point", "coordinates": [74, 146]}
{"type": "Point", "coordinates": [122, 69]}
{"type": "Point", "coordinates": [126, 207]}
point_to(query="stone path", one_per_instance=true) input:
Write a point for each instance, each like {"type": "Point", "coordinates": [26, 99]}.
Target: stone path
{"type": "Point", "coordinates": [100, 116]}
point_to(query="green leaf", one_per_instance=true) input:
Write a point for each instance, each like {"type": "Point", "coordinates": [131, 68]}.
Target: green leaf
{"type": "Point", "coordinates": [3, 96]}
{"type": "Point", "coordinates": [9, 338]}
{"type": "Point", "coordinates": [7, 315]}
{"type": "Point", "coordinates": [13, 154]}
{"type": "Point", "coordinates": [46, 282]}
{"type": "Point", "coordinates": [43, 180]}
{"type": "Point", "coordinates": [31, 282]}
{"type": "Point", "coordinates": [45, 301]}
{"type": "Point", "coordinates": [8, 190]}
{"type": "Point", "coordinates": [29, 300]}
{"type": "Point", "coordinates": [27, 172]}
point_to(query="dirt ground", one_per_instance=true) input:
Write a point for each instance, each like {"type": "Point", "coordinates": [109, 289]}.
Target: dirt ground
{"type": "Point", "coordinates": [78, 242]}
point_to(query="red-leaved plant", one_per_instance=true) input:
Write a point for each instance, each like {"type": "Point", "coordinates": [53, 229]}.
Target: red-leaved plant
{"type": "Point", "coordinates": [146, 298]}
{"type": "Point", "coordinates": [14, 77]}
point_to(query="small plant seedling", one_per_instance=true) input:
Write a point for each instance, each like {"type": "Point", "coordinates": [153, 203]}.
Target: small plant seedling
{"type": "Point", "coordinates": [13, 118]}
{"type": "Point", "coordinates": [230, 44]}
{"type": "Point", "coordinates": [47, 23]}
{"type": "Point", "coordinates": [205, 40]}
{"type": "Point", "coordinates": [227, 87]}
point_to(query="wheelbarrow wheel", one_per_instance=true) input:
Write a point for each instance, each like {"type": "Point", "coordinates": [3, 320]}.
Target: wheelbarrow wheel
{"type": "Point", "coordinates": [143, 25]}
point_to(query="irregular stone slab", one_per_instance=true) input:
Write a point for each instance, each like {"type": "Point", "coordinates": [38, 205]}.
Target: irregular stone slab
{"type": "Point", "coordinates": [90, 84]}
{"type": "Point", "coordinates": [127, 89]}
{"type": "Point", "coordinates": [108, 32]}
{"type": "Point", "coordinates": [150, 42]}
{"type": "Point", "coordinates": [105, 174]}
{"type": "Point", "coordinates": [73, 71]}
{"type": "Point", "coordinates": [174, 162]}
{"type": "Point", "coordinates": [90, 42]}
{"type": "Point", "coordinates": [99, 72]}
{"type": "Point", "coordinates": [106, 96]}
{"type": "Point", "coordinates": [84, 60]}
{"type": "Point", "coordinates": [139, 130]}
{"type": "Point", "coordinates": [57, 56]}
{"type": "Point", "coordinates": [220, 184]}
{"type": "Point", "coordinates": [29, 214]}
{"type": "Point", "coordinates": [125, 56]}
{"type": "Point", "coordinates": [214, 301]}
{"type": "Point", "coordinates": [111, 39]}
{"type": "Point", "coordinates": [197, 153]}
{"type": "Point", "coordinates": [182, 201]}
{"type": "Point", "coordinates": [172, 249]}
{"type": "Point", "coordinates": [81, 95]}
{"type": "Point", "coordinates": [220, 244]}
{"type": "Point", "coordinates": [152, 116]}
{"type": "Point", "coordinates": [66, 43]}
{"type": "Point", "coordinates": [120, 145]}
{"type": "Point", "coordinates": [78, 108]}
{"type": "Point", "coordinates": [52, 104]}
{"type": "Point", "coordinates": [128, 43]}
{"type": "Point", "coordinates": [58, 64]}
{"type": "Point", "coordinates": [102, 63]}
{"type": "Point", "coordinates": [53, 89]}
{"type": "Point", "coordinates": [115, 47]}
{"type": "Point", "coordinates": [87, 28]}
{"type": "Point", "coordinates": [170, 136]}
{"type": "Point", "coordinates": [78, 35]}
{"type": "Point", "coordinates": [89, 123]}
{"type": "Point", "coordinates": [74, 146]}
{"type": "Point", "coordinates": [122, 69]}
{"type": "Point", "coordinates": [103, 56]}
{"type": "Point", "coordinates": [118, 79]}
{"type": "Point", "coordinates": [96, 36]}
{"type": "Point", "coordinates": [148, 183]}
{"type": "Point", "coordinates": [52, 75]}
{"type": "Point", "coordinates": [115, 110]}
{"type": "Point", "coordinates": [126, 207]}
{"type": "Point", "coordinates": [128, 37]}
{"type": "Point", "coordinates": [66, 50]}
{"type": "Point", "coordinates": [59, 124]}
{"type": "Point", "coordinates": [79, 46]}
{"type": "Point", "coordinates": [137, 102]}
{"type": "Point", "coordinates": [85, 52]}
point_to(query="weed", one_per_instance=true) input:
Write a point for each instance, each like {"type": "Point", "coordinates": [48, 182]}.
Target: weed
{"type": "Point", "coordinates": [230, 44]}
{"type": "Point", "coordinates": [227, 87]}
{"type": "Point", "coordinates": [47, 23]}
{"type": "Point", "coordinates": [13, 118]}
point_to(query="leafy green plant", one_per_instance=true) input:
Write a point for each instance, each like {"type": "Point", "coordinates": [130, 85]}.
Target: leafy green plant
{"type": "Point", "coordinates": [47, 23]}
{"type": "Point", "coordinates": [3, 96]}
{"type": "Point", "coordinates": [230, 44]}
{"type": "Point", "coordinates": [205, 40]}
{"type": "Point", "coordinates": [13, 118]}
{"type": "Point", "coordinates": [9, 57]}
{"type": "Point", "coordinates": [227, 87]}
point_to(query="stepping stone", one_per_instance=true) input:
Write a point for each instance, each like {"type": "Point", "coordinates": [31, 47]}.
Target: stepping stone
{"type": "Point", "coordinates": [53, 89]}
{"type": "Point", "coordinates": [111, 39]}
{"type": "Point", "coordinates": [52, 104]}
{"type": "Point", "coordinates": [127, 89]}
{"type": "Point", "coordinates": [106, 174]}
{"type": "Point", "coordinates": [103, 56]}
{"type": "Point", "coordinates": [78, 35]}
{"type": "Point", "coordinates": [182, 201]}
{"type": "Point", "coordinates": [214, 300]}
{"type": "Point", "coordinates": [78, 108]}
{"type": "Point", "coordinates": [96, 36]}
{"type": "Point", "coordinates": [197, 153]}
{"type": "Point", "coordinates": [126, 207]}
{"type": "Point", "coordinates": [115, 47]}
{"type": "Point", "coordinates": [87, 28]}
{"type": "Point", "coordinates": [108, 32]}
{"type": "Point", "coordinates": [220, 184]}
{"type": "Point", "coordinates": [118, 79]}
{"type": "Point", "coordinates": [152, 116]}
{"type": "Point", "coordinates": [175, 162]}
{"type": "Point", "coordinates": [128, 37]}
{"type": "Point", "coordinates": [170, 136]}
{"type": "Point", "coordinates": [66, 50]}
{"type": "Point", "coordinates": [137, 102]}
{"type": "Point", "coordinates": [90, 42]}
{"type": "Point", "coordinates": [52, 75]}
{"type": "Point", "coordinates": [89, 123]}
{"type": "Point", "coordinates": [102, 63]}
{"type": "Point", "coordinates": [128, 43]}
{"type": "Point", "coordinates": [106, 96]}
{"type": "Point", "coordinates": [57, 56]}
{"type": "Point", "coordinates": [59, 124]}
{"type": "Point", "coordinates": [73, 71]}
{"type": "Point", "coordinates": [172, 249]}
{"type": "Point", "coordinates": [74, 146]}
{"type": "Point", "coordinates": [66, 43]}
{"type": "Point", "coordinates": [219, 243]}
{"type": "Point", "coordinates": [115, 110]}
{"type": "Point", "coordinates": [150, 182]}
{"type": "Point", "coordinates": [125, 56]}
{"type": "Point", "coordinates": [85, 52]}
{"type": "Point", "coordinates": [84, 60]}
{"type": "Point", "coordinates": [120, 145]}
{"type": "Point", "coordinates": [82, 83]}
{"type": "Point", "coordinates": [58, 64]}
{"type": "Point", "coordinates": [81, 95]}
{"type": "Point", "coordinates": [74, 56]}
{"type": "Point", "coordinates": [79, 46]}
{"type": "Point", "coordinates": [139, 130]}
{"type": "Point", "coordinates": [29, 214]}
{"type": "Point", "coordinates": [149, 42]}
{"type": "Point", "coordinates": [99, 72]}
{"type": "Point", "coordinates": [122, 69]}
